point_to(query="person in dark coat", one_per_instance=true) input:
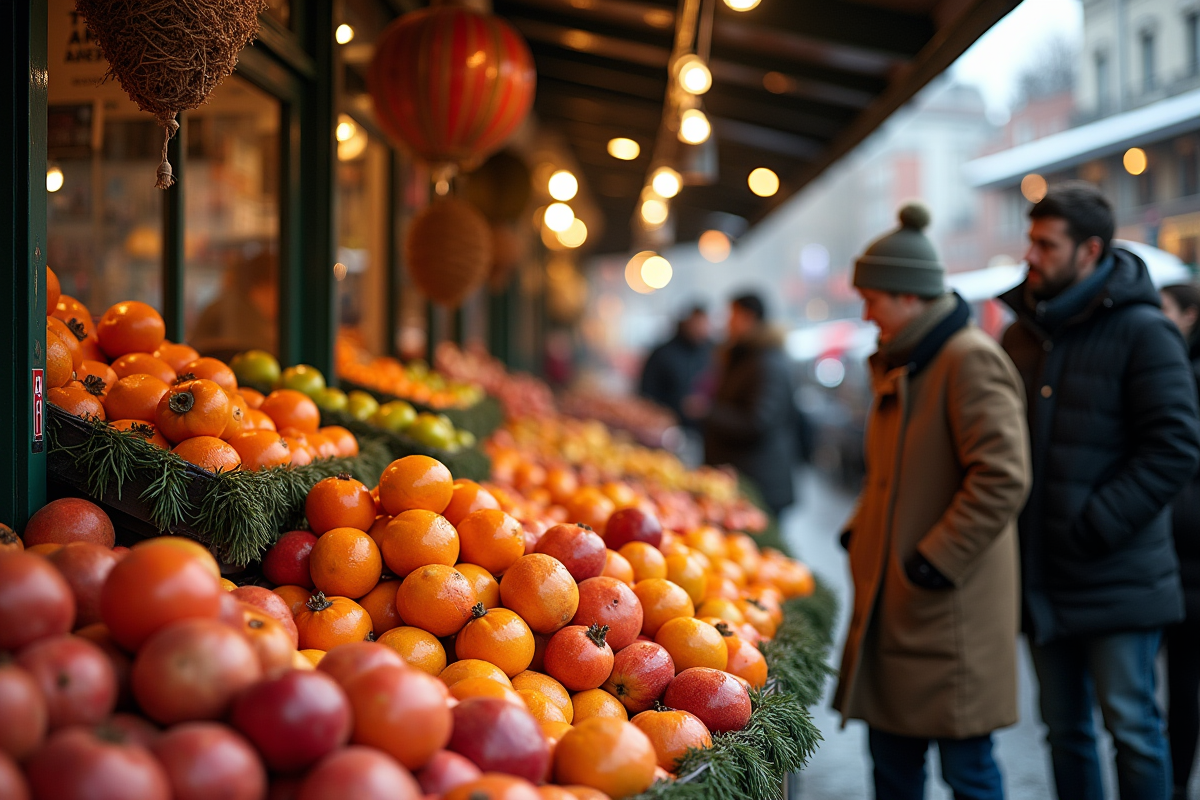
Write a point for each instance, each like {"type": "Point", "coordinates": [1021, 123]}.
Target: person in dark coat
{"type": "Point", "coordinates": [1181, 305]}
{"type": "Point", "coordinates": [1114, 438]}
{"type": "Point", "coordinates": [750, 423]}
{"type": "Point", "coordinates": [674, 370]}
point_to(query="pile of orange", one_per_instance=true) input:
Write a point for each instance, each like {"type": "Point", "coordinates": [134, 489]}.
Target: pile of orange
{"type": "Point", "coordinates": [122, 369]}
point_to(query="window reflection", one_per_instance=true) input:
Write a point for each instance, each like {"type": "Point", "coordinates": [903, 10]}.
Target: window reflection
{"type": "Point", "coordinates": [362, 262]}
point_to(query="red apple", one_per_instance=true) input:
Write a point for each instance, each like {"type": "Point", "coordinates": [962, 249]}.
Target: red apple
{"type": "Point", "coordinates": [85, 565]}
{"type": "Point", "coordinates": [287, 561]}
{"type": "Point", "coordinates": [445, 771]}
{"type": "Point", "coordinates": [205, 760]}
{"type": "Point", "coordinates": [608, 601]}
{"type": "Point", "coordinates": [579, 549]}
{"type": "Point", "coordinates": [499, 736]}
{"type": "Point", "coordinates": [715, 696]}
{"type": "Point", "coordinates": [270, 604]}
{"type": "Point", "coordinates": [632, 525]}
{"type": "Point", "coordinates": [293, 720]}
{"type": "Point", "coordinates": [641, 673]}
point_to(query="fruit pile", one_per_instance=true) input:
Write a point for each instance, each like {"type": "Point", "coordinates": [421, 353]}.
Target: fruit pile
{"type": "Point", "coordinates": [123, 370]}
{"type": "Point", "coordinates": [414, 382]}
{"type": "Point", "coordinates": [648, 422]}
{"type": "Point", "coordinates": [521, 395]}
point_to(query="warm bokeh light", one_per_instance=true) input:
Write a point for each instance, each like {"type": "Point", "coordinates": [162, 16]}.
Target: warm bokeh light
{"type": "Point", "coordinates": [694, 76]}
{"type": "Point", "coordinates": [654, 211]}
{"type": "Point", "coordinates": [558, 217]}
{"type": "Point", "coordinates": [344, 34]}
{"type": "Point", "coordinates": [1135, 161]}
{"type": "Point", "coordinates": [714, 246]}
{"type": "Point", "coordinates": [1033, 186]}
{"type": "Point", "coordinates": [777, 83]}
{"type": "Point", "coordinates": [563, 185]}
{"type": "Point", "coordinates": [763, 182]}
{"type": "Point", "coordinates": [633, 273]}
{"type": "Point", "coordinates": [656, 272]}
{"type": "Point", "coordinates": [346, 128]}
{"type": "Point", "coordinates": [624, 149]}
{"type": "Point", "coordinates": [694, 127]}
{"type": "Point", "coordinates": [54, 179]}
{"type": "Point", "coordinates": [742, 5]}
{"type": "Point", "coordinates": [575, 235]}
{"type": "Point", "coordinates": [666, 182]}
{"type": "Point", "coordinates": [339, 271]}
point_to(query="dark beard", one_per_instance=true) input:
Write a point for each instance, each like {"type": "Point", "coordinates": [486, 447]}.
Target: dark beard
{"type": "Point", "coordinates": [1049, 291]}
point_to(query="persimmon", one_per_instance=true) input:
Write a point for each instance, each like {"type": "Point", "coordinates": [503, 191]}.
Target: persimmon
{"type": "Point", "coordinates": [130, 327]}
{"type": "Point", "coordinates": [744, 660]}
{"type": "Point", "coordinates": [69, 338]}
{"type": "Point", "coordinates": [176, 355]}
{"type": "Point", "coordinates": [255, 420]}
{"type": "Point", "coordinates": [400, 711]}
{"type": "Point", "coordinates": [491, 539]}
{"type": "Point", "coordinates": [608, 601]}
{"type": "Point", "coordinates": [468, 496]}
{"type": "Point", "coordinates": [743, 550]}
{"type": "Point", "coordinates": [687, 573]}
{"type": "Point", "coordinates": [473, 668]}
{"type": "Point", "coordinates": [672, 733]}
{"type": "Point", "coordinates": [261, 449]}
{"type": "Point", "coordinates": [68, 308]}
{"type": "Point", "coordinates": [254, 398]}
{"type": "Point", "coordinates": [339, 502]}
{"type": "Point", "coordinates": [415, 538]}
{"type": "Point", "coordinates": [646, 560]}
{"type": "Point", "coordinates": [135, 397]}
{"type": "Point", "coordinates": [9, 541]}
{"type": "Point", "coordinates": [494, 786]}
{"type": "Point", "coordinates": [795, 579]}
{"type": "Point", "coordinates": [707, 540]}
{"type": "Point", "coordinates": [579, 658]}
{"type": "Point", "coordinates": [237, 415]}
{"type": "Point", "coordinates": [143, 364]}
{"type": "Point", "coordinates": [208, 453]}
{"type": "Point", "coordinates": [97, 369]}
{"type": "Point", "coordinates": [77, 401]}
{"type": "Point", "coordinates": [552, 690]}
{"type": "Point", "coordinates": [618, 566]}
{"type": "Point", "coordinates": [212, 369]}
{"type": "Point", "coordinates": [498, 636]}
{"type": "Point", "coordinates": [611, 755]}
{"type": "Point", "coordinates": [193, 408]}
{"type": "Point", "coordinates": [53, 290]}
{"type": "Point", "coordinates": [720, 586]}
{"type": "Point", "coordinates": [294, 596]}
{"type": "Point", "coordinates": [487, 590]}
{"type": "Point", "coordinates": [769, 599]}
{"type": "Point", "coordinates": [345, 562]}
{"type": "Point", "coordinates": [419, 649]}
{"type": "Point", "coordinates": [661, 600]}
{"type": "Point", "coordinates": [483, 687]}
{"type": "Point", "coordinates": [540, 706]}
{"type": "Point", "coordinates": [757, 614]}
{"type": "Point", "coordinates": [591, 507]}
{"type": "Point", "coordinates": [345, 441]}
{"type": "Point", "coordinates": [539, 588]}
{"type": "Point", "coordinates": [721, 608]}
{"type": "Point", "coordinates": [322, 445]}
{"type": "Point", "coordinates": [291, 409]}
{"type": "Point", "coordinates": [415, 482]}
{"type": "Point", "coordinates": [59, 364]}
{"type": "Point", "coordinates": [692, 643]}
{"type": "Point", "coordinates": [436, 598]}
{"type": "Point", "coordinates": [325, 622]}
{"type": "Point", "coordinates": [380, 603]}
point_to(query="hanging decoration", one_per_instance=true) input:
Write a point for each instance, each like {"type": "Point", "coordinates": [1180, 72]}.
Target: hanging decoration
{"type": "Point", "coordinates": [451, 83]}
{"type": "Point", "coordinates": [449, 251]}
{"type": "Point", "coordinates": [167, 55]}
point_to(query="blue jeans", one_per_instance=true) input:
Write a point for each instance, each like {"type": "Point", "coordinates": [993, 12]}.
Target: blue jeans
{"type": "Point", "coordinates": [967, 766]}
{"type": "Point", "coordinates": [1117, 671]}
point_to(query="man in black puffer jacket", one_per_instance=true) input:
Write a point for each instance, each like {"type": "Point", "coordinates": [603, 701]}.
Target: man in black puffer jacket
{"type": "Point", "coordinates": [1114, 435]}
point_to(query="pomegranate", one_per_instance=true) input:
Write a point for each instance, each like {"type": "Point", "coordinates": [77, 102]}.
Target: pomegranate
{"type": "Point", "coordinates": [75, 677]}
{"type": "Point", "coordinates": [206, 760]}
{"type": "Point", "coordinates": [70, 519]}
{"type": "Point", "coordinates": [36, 599]}
{"type": "Point", "coordinates": [294, 719]}
{"type": "Point", "coordinates": [82, 764]}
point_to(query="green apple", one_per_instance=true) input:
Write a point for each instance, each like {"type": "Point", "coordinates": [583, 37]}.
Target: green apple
{"type": "Point", "coordinates": [465, 439]}
{"type": "Point", "coordinates": [255, 368]}
{"type": "Point", "coordinates": [302, 378]}
{"type": "Point", "coordinates": [417, 368]}
{"type": "Point", "coordinates": [395, 416]}
{"type": "Point", "coordinates": [330, 399]}
{"type": "Point", "coordinates": [433, 431]}
{"type": "Point", "coordinates": [361, 405]}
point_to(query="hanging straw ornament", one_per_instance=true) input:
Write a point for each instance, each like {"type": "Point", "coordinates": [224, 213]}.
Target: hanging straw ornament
{"type": "Point", "coordinates": [169, 55]}
{"type": "Point", "coordinates": [448, 251]}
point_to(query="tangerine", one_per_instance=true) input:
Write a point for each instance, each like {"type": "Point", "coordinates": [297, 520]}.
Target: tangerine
{"type": "Point", "coordinates": [419, 649]}
{"type": "Point", "coordinates": [97, 369]}
{"type": "Point", "coordinates": [339, 502]}
{"type": "Point", "coordinates": [494, 786]}
{"type": "Point", "coordinates": [436, 598]}
{"type": "Point", "coordinates": [214, 370]}
{"type": "Point", "coordinates": [473, 668]}
{"type": "Point", "coordinates": [590, 506]}
{"type": "Point", "coordinates": [415, 482]}
{"type": "Point", "coordinates": [672, 733]}
{"type": "Point", "coordinates": [596, 703]}
{"type": "Point", "coordinates": [661, 600]}
{"type": "Point", "coordinates": [325, 622]}
{"type": "Point", "coordinates": [498, 636]}
{"type": "Point", "coordinates": [611, 755]}
{"type": "Point", "coordinates": [721, 608]}
{"type": "Point", "coordinates": [288, 408]}
{"type": "Point", "coordinates": [53, 290]}
{"type": "Point", "coordinates": [491, 539]}
{"type": "Point", "coordinates": [542, 591]}
{"type": "Point", "coordinates": [745, 660]}
{"type": "Point", "coordinates": [687, 573]}
{"type": "Point", "coordinates": [135, 397]}
{"type": "Point", "coordinates": [487, 590]}
{"type": "Point", "coordinates": [380, 603]}
{"type": "Point", "coordinates": [483, 687]}
{"type": "Point", "coordinates": [618, 566]}
{"type": "Point", "coordinates": [208, 453]}
{"type": "Point", "coordinates": [552, 690]}
{"type": "Point", "coordinates": [176, 356]}
{"type": "Point", "coordinates": [193, 408]}
{"type": "Point", "coordinates": [342, 439]}
{"type": "Point", "coordinates": [144, 364]}
{"type": "Point", "coordinates": [77, 401]}
{"type": "Point", "coordinates": [345, 562]}
{"type": "Point", "coordinates": [255, 420]}
{"type": "Point", "coordinates": [646, 559]}
{"type": "Point", "coordinates": [579, 657]}
{"type": "Point", "coordinates": [254, 398]}
{"type": "Point", "coordinates": [143, 430]}
{"type": "Point", "coordinates": [312, 655]}
{"type": "Point", "coordinates": [417, 538]}
{"type": "Point", "coordinates": [743, 551]}
{"type": "Point", "coordinates": [468, 496]}
{"type": "Point", "coordinates": [720, 586]}
{"type": "Point", "coordinates": [692, 643]}
{"type": "Point", "coordinates": [540, 706]}
{"type": "Point", "coordinates": [59, 364]}
{"type": "Point", "coordinates": [130, 327]}
{"type": "Point", "coordinates": [261, 449]}
{"type": "Point", "coordinates": [294, 596]}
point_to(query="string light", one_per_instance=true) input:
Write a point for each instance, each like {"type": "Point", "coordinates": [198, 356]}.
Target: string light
{"type": "Point", "coordinates": [694, 127]}
{"type": "Point", "coordinates": [763, 182]}
{"type": "Point", "coordinates": [575, 235]}
{"type": "Point", "coordinates": [656, 272]}
{"type": "Point", "coordinates": [693, 74]}
{"type": "Point", "coordinates": [624, 149]}
{"type": "Point", "coordinates": [654, 211]}
{"type": "Point", "coordinates": [742, 5]}
{"type": "Point", "coordinates": [54, 179]}
{"type": "Point", "coordinates": [344, 34]}
{"type": "Point", "coordinates": [563, 185]}
{"type": "Point", "coordinates": [714, 246]}
{"type": "Point", "coordinates": [666, 182]}
{"type": "Point", "coordinates": [558, 217]}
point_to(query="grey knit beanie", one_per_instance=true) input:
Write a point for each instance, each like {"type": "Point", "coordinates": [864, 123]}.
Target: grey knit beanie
{"type": "Point", "coordinates": [903, 261]}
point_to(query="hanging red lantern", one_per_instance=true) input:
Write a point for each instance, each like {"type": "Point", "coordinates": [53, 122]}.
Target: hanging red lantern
{"type": "Point", "coordinates": [451, 83]}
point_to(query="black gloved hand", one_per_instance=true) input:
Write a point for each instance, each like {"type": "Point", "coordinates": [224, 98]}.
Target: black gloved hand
{"type": "Point", "coordinates": [925, 575]}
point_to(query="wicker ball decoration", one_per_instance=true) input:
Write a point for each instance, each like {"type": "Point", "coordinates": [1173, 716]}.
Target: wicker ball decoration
{"type": "Point", "coordinates": [451, 83]}
{"type": "Point", "coordinates": [510, 246]}
{"type": "Point", "coordinates": [168, 55]}
{"type": "Point", "coordinates": [449, 251]}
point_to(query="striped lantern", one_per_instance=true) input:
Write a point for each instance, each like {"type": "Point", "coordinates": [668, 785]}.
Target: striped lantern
{"type": "Point", "coordinates": [451, 83]}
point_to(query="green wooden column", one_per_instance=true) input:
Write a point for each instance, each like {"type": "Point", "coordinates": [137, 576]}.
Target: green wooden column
{"type": "Point", "coordinates": [22, 259]}
{"type": "Point", "coordinates": [173, 253]}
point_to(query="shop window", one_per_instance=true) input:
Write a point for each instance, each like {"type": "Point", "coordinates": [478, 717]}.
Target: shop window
{"type": "Point", "coordinates": [231, 228]}
{"type": "Point", "coordinates": [1149, 78]}
{"type": "Point", "coordinates": [362, 265]}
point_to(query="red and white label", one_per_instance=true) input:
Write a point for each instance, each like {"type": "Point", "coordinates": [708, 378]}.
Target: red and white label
{"type": "Point", "coordinates": [38, 406]}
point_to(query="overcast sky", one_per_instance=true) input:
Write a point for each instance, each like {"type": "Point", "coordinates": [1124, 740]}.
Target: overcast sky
{"type": "Point", "coordinates": [994, 62]}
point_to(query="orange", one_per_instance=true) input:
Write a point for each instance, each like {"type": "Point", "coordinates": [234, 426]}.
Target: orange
{"type": "Point", "coordinates": [688, 574]}
{"type": "Point", "coordinates": [415, 482]}
{"type": "Point", "coordinates": [692, 643]}
{"type": "Point", "coordinates": [553, 731]}
{"type": "Point", "coordinates": [596, 703]}
{"type": "Point", "coordinates": [325, 622]}
{"type": "Point", "coordinates": [436, 598]}
{"type": "Point", "coordinates": [542, 591]}
{"type": "Point", "coordinates": [561, 483]}
{"type": "Point", "coordinates": [254, 398]}
{"type": "Point", "coordinates": [528, 475]}
{"type": "Point", "coordinates": [68, 308]}
{"type": "Point", "coordinates": [611, 755]}
{"type": "Point", "coordinates": [345, 562]}
{"type": "Point", "coordinates": [757, 614]}
{"type": "Point", "coordinates": [135, 397]}
{"type": "Point", "coordinates": [143, 364]}
{"type": "Point", "coordinates": [498, 636]}
{"type": "Point", "coordinates": [491, 539]}
{"type": "Point", "coordinates": [552, 690]}
{"type": "Point", "coordinates": [493, 786]}
{"type": "Point", "coordinates": [540, 706]}
{"type": "Point", "coordinates": [743, 551]}
{"type": "Point", "coordinates": [646, 559]}
{"type": "Point", "coordinates": [483, 687]}
{"type": "Point", "coordinates": [261, 449]}
{"type": "Point", "coordinates": [420, 649]}
{"type": "Point", "coordinates": [591, 507]}
{"type": "Point", "coordinates": [294, 596]}
{"type": "Point", "coordinates": [745, 660]}
{"type": "Point", "coordinates": [727, 568]}
{"type": "Point", "coordinates": [324, 446]}
{"type": "Point", "coordinates": [175, 355]}
{"type": "Point", "coordinates": [720, 586]}
{"type": "Point", "coordinates": [622, 494]}
{"type": "Point", "coordinates": [255, 420]}
{"type": "Point", "coordinates": [342, 439]}
{"type": "Point", "coordinates": [377, 528]}
{"type": "Point", "coordinates": [468, 496]}
{"type": "Point", "coordinates": [237, 415]}
{"type": "Point", "coordinates": [288, 408]}
{"type": "Point", "coordinates": [214, 370]}
{"type": "Point", "coordinates": [672, 733]}
{"type": "Point", "coordinates": [795, 579]}
{"type": "Point", "coordinates": [416, 538]}
{"type": "Point", "coordinates": [98, 369]}
{"type": "Point", "coordinates": [707, 540]}
{"type": "Point", "coordinates": [618, 566]}
{"type": "Point", "coordinates": [59, 365]}
{"type": "Point", "coordinates": [380, 603]}
{"type": "Point", "coordinates": [130, 327]}
{"type": "Point", "coordinates": [661, 600]}
{"type": "Point", "coordinates": [208, 453]}
{"type": "Point", "coordinates": [312, 656]}
{"type": "Point", "coordinates": [721, 608]}
{"type": "Point", "coordinates": [485, 586]}
{"type": "Point", "coordinates": [339, 502]}
{"type": "Point", "coordinates": [228, 585]}
{"type": "Point", "coordinates": [144, 430]}
{"type": "Point", "coordinates": [69, 338]}
{"type": "Point", "coordinates": [77, 401]}
{"type": "Point", "coordinates": [473, 668]}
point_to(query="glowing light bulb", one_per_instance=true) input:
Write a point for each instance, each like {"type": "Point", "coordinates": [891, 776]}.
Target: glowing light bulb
{"type": "Point", "coordinates": [54, 179]}
{"type": "Point", "coordinates": [633, 273]}
{"type": "Point", "coordinates": [694, 127]}
{"type": "Point", "coordinates": [656, 272]}
{"type": "Point", "coordinates": [693, 75]}
{"type": "Point", "coordinates": [1135, 161]}
{"type": "Point", "coordinates": [344, 34]}
{"type": "Point", "coordinates": [742, 5]}
{"type": "Point", "coordinates": [654, 212]}
{"type": "Point", "coordinates": [558, 217]}
{"type": "Point", "coordinates": [714, 246]}
{"type": "Point", "coordinates": [563, 185]}
{"type": "Point", "coordinates": [624, 149]}
{"type": "Point", "coordinates": [763, 182]}
{"type": "Point", "coordinates": [575, 235]}
{"type": "Point", "coordinates": [666, 182]}
{"type": "Point", "coordinates": [346, 129]}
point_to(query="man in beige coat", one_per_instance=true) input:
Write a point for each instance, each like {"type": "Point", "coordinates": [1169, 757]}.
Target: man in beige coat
{"type": "Point", "coordinates": [931, 649]}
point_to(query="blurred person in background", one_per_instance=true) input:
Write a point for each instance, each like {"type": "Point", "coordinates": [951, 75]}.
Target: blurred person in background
{"type": "Point", "coordinates": [1115, 436]}
{"type": "Point", "coordinates": [244, 315]}
{"type": "Point", "coordinates": [750, 423]}
{"type": "Point", "coordinates": [674, 373]}
{"type": "Point", "coordinates": [1181, 305]}
{"type": "Point", "coordinates": [931, 651]}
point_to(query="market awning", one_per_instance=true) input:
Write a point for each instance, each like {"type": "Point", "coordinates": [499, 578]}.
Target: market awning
{"type": "Point", "coordinates": [1104, 137]}
{"type": "Point", "coordinates": [796, 85]}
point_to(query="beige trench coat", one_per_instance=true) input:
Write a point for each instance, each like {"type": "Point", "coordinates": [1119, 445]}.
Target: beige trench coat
{"type": "Point", "coordinates": [947, 473]}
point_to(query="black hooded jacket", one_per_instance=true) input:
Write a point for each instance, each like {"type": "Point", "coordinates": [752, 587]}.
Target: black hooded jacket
{"type": "Point", "coordinates": [1115, 436]}
{"type": "Point", "coordinates": [1186, 519]}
